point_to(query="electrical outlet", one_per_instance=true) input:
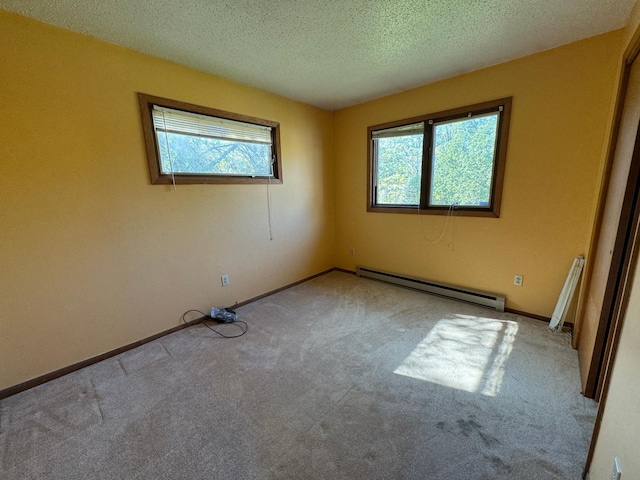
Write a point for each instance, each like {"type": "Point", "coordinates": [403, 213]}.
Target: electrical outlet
{"type": "Point", "coordinates": [225, 280]}
{"type": "Point", "coordinates": [352, 251]}
{"type": "Point", "coordinates": [517, 280]}
{"type": "Point", "coordinates": [617, 469]}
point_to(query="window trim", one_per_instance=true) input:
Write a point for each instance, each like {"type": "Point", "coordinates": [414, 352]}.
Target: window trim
{"type": "Point", "coordinates": [151, 144]}
{"type": "Point", "coordinates": [493, 210]}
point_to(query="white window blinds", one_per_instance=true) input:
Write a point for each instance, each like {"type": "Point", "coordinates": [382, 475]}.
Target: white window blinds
{"type": "Point", "coordinates": [402, 131]}
{"type": "Point", "coordinates": [186, 123]}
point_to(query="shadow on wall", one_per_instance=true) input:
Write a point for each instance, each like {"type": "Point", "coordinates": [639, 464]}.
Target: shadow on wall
{"type": "Point", "coordinates": [466, 353]}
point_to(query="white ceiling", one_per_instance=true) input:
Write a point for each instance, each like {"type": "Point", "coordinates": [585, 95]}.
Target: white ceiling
{"type": "Point", "coordinates": [333, 53]}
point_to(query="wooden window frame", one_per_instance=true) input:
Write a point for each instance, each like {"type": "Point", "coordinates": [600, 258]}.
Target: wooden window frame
{"type": "Point", "coordinates": [492, 210]}
{"type": "Point", "coordinates": [151, 143]}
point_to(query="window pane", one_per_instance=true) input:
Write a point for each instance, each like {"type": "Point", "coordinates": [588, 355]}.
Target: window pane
{"type": "Point", "coordinates": [399, 165]}
{"type": "Point", "coordinates": [202, 155]}
{"type": "Point", "coordinates": [462, 162]}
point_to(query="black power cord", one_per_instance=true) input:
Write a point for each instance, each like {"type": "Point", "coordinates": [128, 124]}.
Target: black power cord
{"type": "Point", "coordinates": [208, 318]}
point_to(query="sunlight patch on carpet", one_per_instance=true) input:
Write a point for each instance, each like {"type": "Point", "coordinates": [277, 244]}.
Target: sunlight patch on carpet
{"type": "Point", "coordinates": [466, 353]}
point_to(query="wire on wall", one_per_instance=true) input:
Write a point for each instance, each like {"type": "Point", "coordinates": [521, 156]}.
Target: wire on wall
{"type": "Point", "coordinates": [449, 218]}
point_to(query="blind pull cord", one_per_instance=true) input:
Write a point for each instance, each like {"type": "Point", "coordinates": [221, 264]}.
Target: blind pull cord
{"type": "Point", "coordinates": [444, 227]}
{"type": "Point", "coordinates": [269, 200]}
{"type": "Point", "coordinates": [166, 138]}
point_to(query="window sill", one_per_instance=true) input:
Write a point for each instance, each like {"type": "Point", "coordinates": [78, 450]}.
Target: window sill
{"type": "Point", "coordinates": [458, 212]}
{"type": "Point", "coordinates": [199, 179]}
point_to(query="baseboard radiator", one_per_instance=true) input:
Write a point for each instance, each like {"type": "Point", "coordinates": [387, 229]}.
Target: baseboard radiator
{"type": "Point", "coordinates": [458, 293]}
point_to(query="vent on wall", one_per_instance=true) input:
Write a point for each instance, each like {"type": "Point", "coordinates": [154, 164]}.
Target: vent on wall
{"type": "Point", "coordinates": [458, 293]}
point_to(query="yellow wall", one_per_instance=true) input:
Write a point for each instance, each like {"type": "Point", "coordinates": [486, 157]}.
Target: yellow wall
{"type": "Point", "coordinates": [561, 112]}
{"type": "Point", "coordinates": [620, 429]}
{"type": "Point", "coordinates": [93, 257]}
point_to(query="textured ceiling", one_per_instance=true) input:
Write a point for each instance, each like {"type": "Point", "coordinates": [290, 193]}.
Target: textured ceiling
{"type": "Point", "coordinates": [333, 53]}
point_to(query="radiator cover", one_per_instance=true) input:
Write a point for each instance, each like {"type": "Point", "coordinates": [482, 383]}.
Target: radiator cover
{"type": "Point", "coordinates": [485, 299]}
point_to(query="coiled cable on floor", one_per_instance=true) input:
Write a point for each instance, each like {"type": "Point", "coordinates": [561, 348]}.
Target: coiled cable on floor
{"type": "Point", "coordinates": [208, 318]}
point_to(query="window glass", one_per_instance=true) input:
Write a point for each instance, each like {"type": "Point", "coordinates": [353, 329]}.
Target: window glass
{"type": "Point", "coordinates": [193, 154]}
{"type": "Point", "coordinates": [399, 165]}
{"type": "Point", "coordinates": [462, 161]}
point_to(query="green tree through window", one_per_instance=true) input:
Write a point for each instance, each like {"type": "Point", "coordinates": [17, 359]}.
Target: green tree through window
{"type": "Point", "coordinates": [463, 153]}
{"type": "Point", "coordinates": [194, 155]}
{"type": "Point", "coordinates": [399, 170]}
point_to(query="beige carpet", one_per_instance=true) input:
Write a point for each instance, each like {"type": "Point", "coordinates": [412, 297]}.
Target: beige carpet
{"type": "Point", "coordinates": [337, 378]}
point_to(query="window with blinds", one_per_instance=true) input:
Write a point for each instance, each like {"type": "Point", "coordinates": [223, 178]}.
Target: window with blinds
{"type": "Point", "coordinates": [441, 163]}
{"type": "Point", "coordinates": [193, 144]}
